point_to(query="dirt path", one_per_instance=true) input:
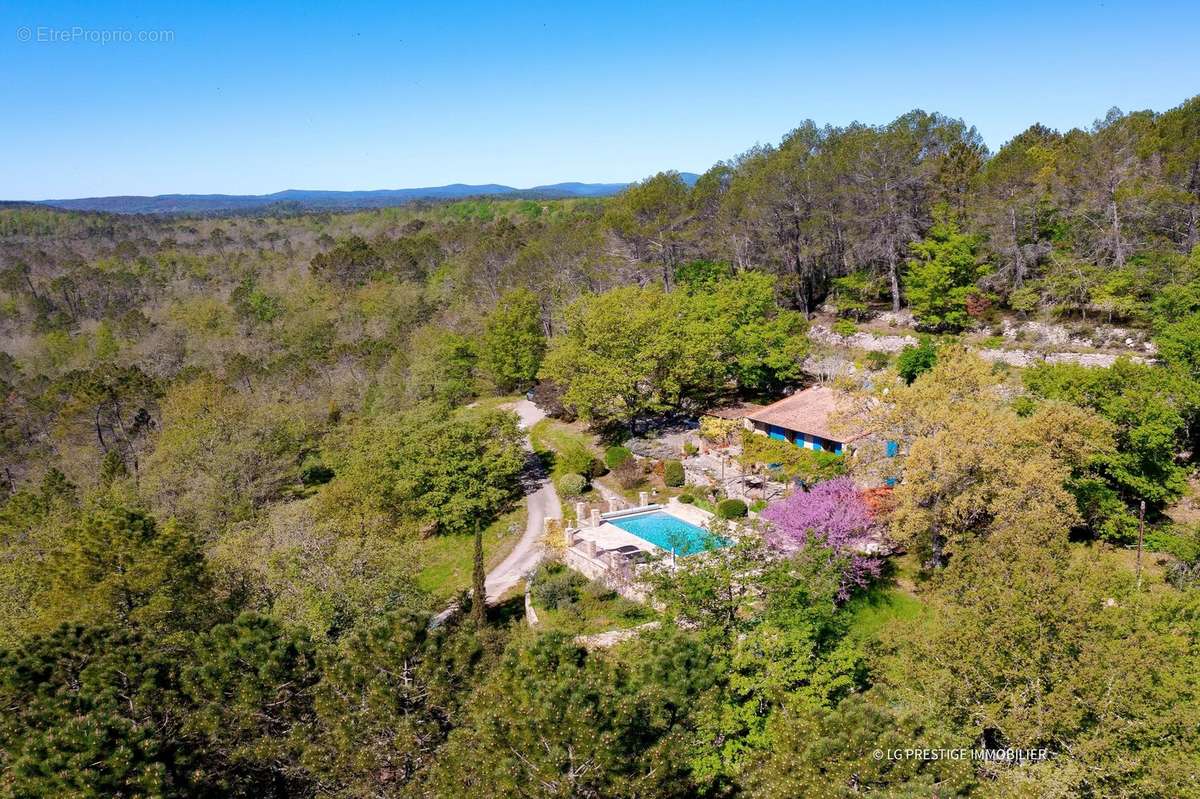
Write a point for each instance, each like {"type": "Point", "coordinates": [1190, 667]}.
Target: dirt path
{"type": "Point", "coordinates": [543, 504]}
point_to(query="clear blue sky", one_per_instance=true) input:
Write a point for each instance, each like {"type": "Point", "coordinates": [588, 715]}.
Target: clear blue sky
{"type": "Point", "coordinates": [389, 95]}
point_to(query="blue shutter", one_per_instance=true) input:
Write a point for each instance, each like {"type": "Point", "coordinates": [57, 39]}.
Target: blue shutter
{"type": "Point", "coordinates": [892, 449]}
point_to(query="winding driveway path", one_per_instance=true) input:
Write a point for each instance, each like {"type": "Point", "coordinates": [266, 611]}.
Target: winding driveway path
{"type": "Point", "coordinates": [543, 504]}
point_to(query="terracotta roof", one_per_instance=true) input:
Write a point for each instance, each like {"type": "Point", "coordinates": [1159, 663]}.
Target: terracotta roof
{"type": "Point", "coordinates": [807, 411]}
{"type": "Point", "coordinates": [738, 411]}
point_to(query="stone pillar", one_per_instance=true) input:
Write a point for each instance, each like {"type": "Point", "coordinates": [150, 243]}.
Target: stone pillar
{"type": "Point", "coordinates": [569, 536]}
{"type": "Point", "coordinates": [614, 504]}
{"type": "Point", "coordinates": [580, 511]}
{"type": "Point", "coordinates": [595, 517]}
{"type": "Point", "coordinates": [643, 498]}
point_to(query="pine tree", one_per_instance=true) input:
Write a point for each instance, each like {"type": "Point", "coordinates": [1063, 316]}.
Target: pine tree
{"type": "Point", "coordinates": [479, 598]}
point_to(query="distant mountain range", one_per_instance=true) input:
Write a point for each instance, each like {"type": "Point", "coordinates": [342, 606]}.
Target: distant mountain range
{"type": "Point", "coordinates": [297, 199]}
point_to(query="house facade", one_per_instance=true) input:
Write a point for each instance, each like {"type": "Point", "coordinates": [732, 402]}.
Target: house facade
{"type": "Point", "coordinates": [805, 419]}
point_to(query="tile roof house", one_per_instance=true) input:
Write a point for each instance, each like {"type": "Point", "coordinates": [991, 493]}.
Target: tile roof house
{"type": "Point", "coordinates": [735, 412]}
{"type": "Point", "coordinates": [806, 419]}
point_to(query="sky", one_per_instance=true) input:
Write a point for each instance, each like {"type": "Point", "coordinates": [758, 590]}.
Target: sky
{"type": "Point", "coordinates": [106, 98]}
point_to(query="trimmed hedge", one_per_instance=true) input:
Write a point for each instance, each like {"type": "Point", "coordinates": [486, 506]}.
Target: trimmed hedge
{"type": "Point", "coordinates": [731, 509]}
{"type": "Point", "coordinates": [572, 485]}
{"type": "Point", "coordinates": [615, 456]}
{"type": "Point", "coordinates": [673, 474]}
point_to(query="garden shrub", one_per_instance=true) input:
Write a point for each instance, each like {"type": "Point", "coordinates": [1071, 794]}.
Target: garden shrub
{"type": "Point", "coordinates": [575, 458]}
{"type": "Point", "coordinates": [555, 586]}
{"type": "Point", "coordinates": [616, 456]}
{"type": "Point", "coordinates": [689, 449]}
{"type": "Point", "coordinates": [686, 499]}
{"type": "Point", "coordinates": [731, 509]}
{"type": "Point", "coordinates": [597, 468]}
{"type": "Point", "coordinates": [572, 485]}
{"type": "Point", "coordinates": [596, 591]}
{"type": "Point", "coordinates": [673, 474]}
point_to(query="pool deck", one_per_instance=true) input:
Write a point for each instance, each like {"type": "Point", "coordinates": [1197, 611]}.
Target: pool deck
{"type": "Point", "coordinates": [589, 548]}
{"type": "Point", "coordinates": [609, 536]}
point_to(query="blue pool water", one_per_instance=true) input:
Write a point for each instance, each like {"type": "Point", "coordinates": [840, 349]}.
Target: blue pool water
{"type": "Point", "coordinates": [669, 532]}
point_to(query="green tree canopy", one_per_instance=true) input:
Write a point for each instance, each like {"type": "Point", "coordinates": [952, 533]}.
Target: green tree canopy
{"type": "Point", "coordinates": [419, 472]}
{"type": "Point", "coordinates": [941, 275]}
{"type": "Point", "coordinates": [513, 342]}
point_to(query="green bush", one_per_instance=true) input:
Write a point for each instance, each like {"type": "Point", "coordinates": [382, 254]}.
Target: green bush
{"type": "Point", "coordinates": [731, 509]}
{"type": "Point", "coordinates": [572, 485]}
{"type": "Point", "coordinates": [686, 499]}
{"type": "Point", "coordinates": [616, 456]}
{"type": "Point", "coordinates": [758, 506]}
{"type": "Point", "coordinates": [689, 449]}
{"type": "Point", "coordinates": [673, 474]}
{"type": "Point", "coordinates": [597, 468]}
{"type": "Point", "coordinates": [845, 327]}
{"type": "Point", "coordinates": [555, 586]}
{"type": "Point", "coordinates": [1178, 540]}
{"type": "Point", "coordinates": [915, 361]}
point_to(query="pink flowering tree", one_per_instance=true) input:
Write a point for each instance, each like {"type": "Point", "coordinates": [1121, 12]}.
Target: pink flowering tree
{"type": "Point", "coordinates": [833, 514]}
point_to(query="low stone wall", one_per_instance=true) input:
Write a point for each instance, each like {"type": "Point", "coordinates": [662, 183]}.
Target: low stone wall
{"type": "Point", "coordinates": [1023, 358]}
{"type": "Point", "coordinates": [831, 367]}
{"type": "Point", "coordinates": [612, 637]}
{"type": "Point", "coordinates": [595, 568]}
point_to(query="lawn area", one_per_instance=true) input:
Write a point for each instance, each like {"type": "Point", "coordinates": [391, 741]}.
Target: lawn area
{"type": "Point", "coordinates": [581, 606]}
{"type": "Point", "coordinates": [565, 449]}
{"type": "Point", "coordinates": [566, 443]}
{"type": "Point", "coordinates": [492, 403]}
{"type": "Point", "coordinates": [446, 560]}
{"type": "Point", "coordinates": [879, 607]}
{"type": "Point", "coordinates": [552, 437]}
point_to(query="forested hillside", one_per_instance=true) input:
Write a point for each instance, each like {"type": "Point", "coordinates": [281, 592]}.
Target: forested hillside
{"type": "Point", "coordinates": [245, 459]}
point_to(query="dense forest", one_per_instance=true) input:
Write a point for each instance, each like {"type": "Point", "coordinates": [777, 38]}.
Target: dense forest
{"type": "Point", "coordinates": [245, 459]}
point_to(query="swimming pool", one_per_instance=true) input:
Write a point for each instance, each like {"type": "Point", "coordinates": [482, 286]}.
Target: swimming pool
{"type": "Point", "coordinates": [668, 532]}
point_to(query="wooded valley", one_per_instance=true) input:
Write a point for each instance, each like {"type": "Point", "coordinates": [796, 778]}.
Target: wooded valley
{"type": "Point", "coordinates": [246, 458]}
